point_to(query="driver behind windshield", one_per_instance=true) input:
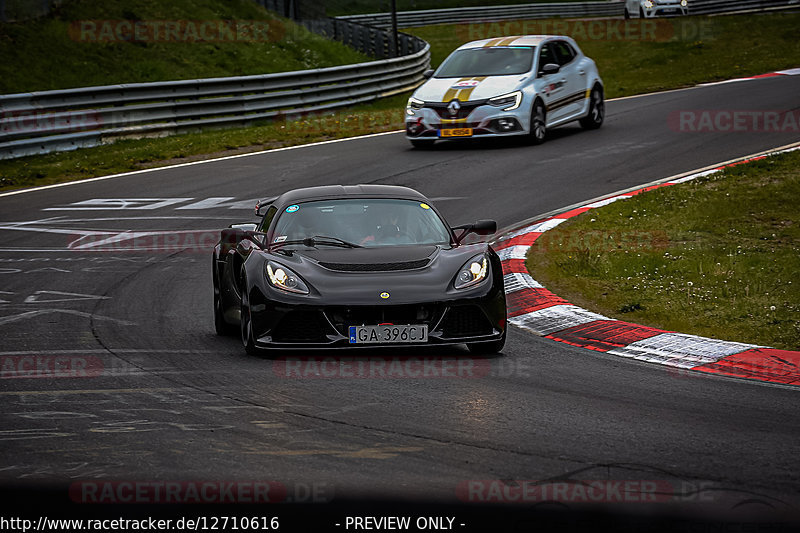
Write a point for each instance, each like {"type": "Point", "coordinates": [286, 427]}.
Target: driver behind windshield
{"type": "Point", "coordinates": [386, 226]}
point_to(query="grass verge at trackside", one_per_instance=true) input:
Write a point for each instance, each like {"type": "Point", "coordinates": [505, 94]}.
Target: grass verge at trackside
{"type": "Point", "coordinates": [82, 44]}
{"type": "Point", "coordinates": [627, 67]}
{"type": "Point", "coordinates": [715, 257]}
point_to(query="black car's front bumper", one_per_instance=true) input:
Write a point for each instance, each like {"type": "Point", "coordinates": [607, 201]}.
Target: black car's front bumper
{"type": "Point", "coordinates": [281, 326]}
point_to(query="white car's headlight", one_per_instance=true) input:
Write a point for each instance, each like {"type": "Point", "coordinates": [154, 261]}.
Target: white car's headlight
{"type": "Point", "coordinates": [508, 101]}
{"type": "Point", "coordinates": [684, 3]}
{"type": "Point", "coordinates": [284, 279]}
{"type": "Point", "coordinates": [473, 272]}
{"type": "Point", "coordinates": [414, 105]}
{"type": "Point", "coordinates": [648, 4]}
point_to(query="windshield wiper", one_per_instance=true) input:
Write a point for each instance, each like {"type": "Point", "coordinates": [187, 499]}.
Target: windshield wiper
{"type": "Point", "coordinates": [312, 242]}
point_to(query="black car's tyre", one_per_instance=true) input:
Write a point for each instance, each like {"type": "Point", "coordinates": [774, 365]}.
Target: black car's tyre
{"type": "Point", "coordinates": [222, 327]}
{"type": "Point", "coordinates": [538, 131]}
{"type": "Point", "coordinates": [641, 13]}
{"type": "Point", "coordinates": [246, 321]}
{"type": "Point", "coordinates": [422, 145]}
{"type": "Point", "coordinates": [489, 347]}
{"type": "Point", "coordinates": [597, 110]}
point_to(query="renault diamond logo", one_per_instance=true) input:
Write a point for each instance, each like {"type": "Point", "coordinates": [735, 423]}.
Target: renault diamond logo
{"type": "Point", "coordinates": [384, 295]}
{"type": "Point", "coordinates": [453, 107]}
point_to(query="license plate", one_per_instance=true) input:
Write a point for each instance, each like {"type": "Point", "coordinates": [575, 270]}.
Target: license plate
{"type": "Point", "coordinates": [456, 132]}
{"type": "Point", "coordinates": [388, 334]}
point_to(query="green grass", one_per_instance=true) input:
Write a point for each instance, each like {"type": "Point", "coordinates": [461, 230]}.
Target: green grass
{"type": "Point", "coordinates": [43, 54]}
{"type": "Point", "coordinates": [716, 257]}
{"type": "Point", "coordinates": [667, 54]}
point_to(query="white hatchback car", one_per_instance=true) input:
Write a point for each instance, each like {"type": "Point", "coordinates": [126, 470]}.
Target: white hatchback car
{"type": "Point", "coordinates": [506, 86]}
{"type": "Point", "coordinates": [655, 8]}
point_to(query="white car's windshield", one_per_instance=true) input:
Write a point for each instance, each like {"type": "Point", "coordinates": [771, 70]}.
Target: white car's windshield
{"type": "Point", "coordinates": [486, 62]}
{"type": "Point", "coordinates": [363, 222]}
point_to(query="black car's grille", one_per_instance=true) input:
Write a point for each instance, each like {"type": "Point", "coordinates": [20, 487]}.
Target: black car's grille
{"type": "Point", "coordinates": [463, 112]}
{"type": "Point", "coordinates": [465, 321]}
{"type": "Point", "coordinates": [344, 317]}
{"type": "Point", "coordinates": [300, 326]}
{"type": "Point", "coordinates": [375, 267]}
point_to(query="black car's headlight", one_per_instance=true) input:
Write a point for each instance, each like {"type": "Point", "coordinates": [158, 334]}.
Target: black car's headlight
{"type": "Point", "coordinates": [508, 101]}
{"type": "Point", "coordinates": [473, 272]}
{"type": "Point", "coordinates": [284, 279]}
{"type": "Point", "coordinates": [414, 105]}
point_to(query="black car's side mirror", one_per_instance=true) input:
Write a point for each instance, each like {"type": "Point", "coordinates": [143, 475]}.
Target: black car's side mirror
{"type": "Point", "coordinates": [481, 227]}
{"type": "Point", "coordinates": [550, 68]}
{"type": "Point", "coordinates": [485, 227]}
{"type": "Point", "coordinates": [232, 236]}
{"type": "Point", "coordinates": [428, 73]}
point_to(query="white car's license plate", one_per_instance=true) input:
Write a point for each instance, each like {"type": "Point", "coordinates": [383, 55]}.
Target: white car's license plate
{"type": "Point", "coordinates": [388, 333]}
{"type": "Point", "coordinates": [456, 132]}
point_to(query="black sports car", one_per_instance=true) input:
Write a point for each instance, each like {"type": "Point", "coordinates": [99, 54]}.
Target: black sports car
{"type": "Point", "coordinates": [353, 266]}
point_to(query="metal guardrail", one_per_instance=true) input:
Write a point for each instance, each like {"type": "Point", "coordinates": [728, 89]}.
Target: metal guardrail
{"type": "Point", "coordinates": [410, 19]}
{"type": "Point", "coordinates": [46, 121]}
{"type": "Point", "coordinates": [707, 7]}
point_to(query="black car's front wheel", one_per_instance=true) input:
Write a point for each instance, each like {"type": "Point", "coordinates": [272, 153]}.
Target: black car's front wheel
{"type": "Point", "coordinates": [488, 347]}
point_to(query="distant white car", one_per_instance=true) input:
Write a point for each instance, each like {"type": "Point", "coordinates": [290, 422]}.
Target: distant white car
{"type": "Point", "coordinates": [655, 8]}
{"type": "Point", "coordinates": [506, 86]}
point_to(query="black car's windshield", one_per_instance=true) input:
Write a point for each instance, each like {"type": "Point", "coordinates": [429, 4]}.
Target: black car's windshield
{"type": "Point", "coordinates": [363, 222]}
{"type": "Point", "coordinates": [486, 62]}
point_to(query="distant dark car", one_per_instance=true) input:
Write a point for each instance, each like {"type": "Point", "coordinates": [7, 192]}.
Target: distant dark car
{"type": "Point", "coordinates": [355, 266]}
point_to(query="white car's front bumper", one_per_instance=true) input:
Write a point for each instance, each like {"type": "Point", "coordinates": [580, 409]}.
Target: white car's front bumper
{"type": "Point", "coordinates": [665, 10]}
{"type": "Point", "coordinates": [478, 117]}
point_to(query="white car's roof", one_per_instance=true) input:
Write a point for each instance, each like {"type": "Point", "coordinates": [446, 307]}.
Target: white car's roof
{"type": "Point", "coordinates": [511, 40]}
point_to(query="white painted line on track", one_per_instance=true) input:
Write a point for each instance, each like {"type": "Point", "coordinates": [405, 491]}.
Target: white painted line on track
{"type": "Point", "coordinates": [191, 163]}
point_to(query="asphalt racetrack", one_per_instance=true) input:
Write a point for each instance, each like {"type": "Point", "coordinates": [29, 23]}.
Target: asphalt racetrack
{"type": "Point", "coordinates": [112, 373]}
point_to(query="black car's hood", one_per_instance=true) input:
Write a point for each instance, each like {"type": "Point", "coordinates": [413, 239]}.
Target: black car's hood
{"type": "Point", "coordinates": [378, 255]}
{"type": "Point", "coordinates": [358, 276]}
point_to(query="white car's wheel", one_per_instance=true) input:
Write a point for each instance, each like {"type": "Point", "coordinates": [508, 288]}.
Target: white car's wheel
{"type": "Point", "coordinates": [597, 110]}
{"type": "Point", "coordinates": [538, 131]}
